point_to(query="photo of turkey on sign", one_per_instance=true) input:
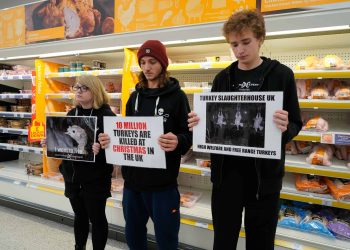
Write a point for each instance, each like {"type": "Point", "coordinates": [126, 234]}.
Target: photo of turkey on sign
{"type": "Point", "coordinates": [237, 123]}
{"type": "Point", "coordinates": [134, 141]}
{"type": "Point", "coordinates": [71, 137]}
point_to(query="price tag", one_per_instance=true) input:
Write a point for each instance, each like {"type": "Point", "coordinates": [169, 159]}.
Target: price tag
{"type": "Point", "coordinates": [206, 65]}
{"type": "Point", "coordinates": [205, 173]}
{"type": "Point", "coordinates": [327, 203]}
{"type": "Point", "coordinates": [201, 225]}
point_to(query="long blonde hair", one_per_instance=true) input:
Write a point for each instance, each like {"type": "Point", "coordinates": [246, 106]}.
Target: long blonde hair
{"type": "Point", "coordinates": [97, 89]}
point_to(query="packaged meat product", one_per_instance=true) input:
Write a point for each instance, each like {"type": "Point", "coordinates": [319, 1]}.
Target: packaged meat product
{"type": "Point", "coordinates": [290, 216]}
{"type": "Point", "coordinates": [339, 188]}
{"type": "Point", "coordinates": [189, 198]}
{"type": "Point", "coordinates": [315, 223]}
{"type": "Point", "coordinates": [303, 147]}
{"type": "Point", "coordinates": [303, 88]}
{"type": "Point", "coordinates": [310, 183]}
{"type": "Point", "coordinates": [342, 91]}
{"type": "Point", "coordinates": [321, 154]}
{"type": "Point", "coordinates": [117, 185]}
{"type": "Point", "coordinates": [316, 123]}
{"type": "Point", "coordinates": [332, 62]}
{"type": "Point", "coordinates": [319, 91]}
{"type": "Point", "coordinates": [291, 149]}
{"type": "Point", "coordinates": [205, 163]}
{"type": "Point", "coordinates": [310, 62]}
{"type": "Point", "coordinates": [340, 226]}
{"type": "Point", "coordinates": [34, 168]}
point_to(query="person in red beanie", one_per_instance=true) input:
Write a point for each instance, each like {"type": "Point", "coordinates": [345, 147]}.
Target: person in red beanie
{"type": "Point", "coordinates": [153, 193]}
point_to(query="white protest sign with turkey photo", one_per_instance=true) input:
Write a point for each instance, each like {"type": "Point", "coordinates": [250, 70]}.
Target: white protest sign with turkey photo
{"type": "Point", "coordinates": [238, 123]}
{"type": "Point", "coordinates": [134, 141]}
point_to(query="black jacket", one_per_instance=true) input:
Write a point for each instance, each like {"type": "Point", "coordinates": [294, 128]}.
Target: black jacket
{"type": "Point", "coordinates": [83, 172]}
{"type": "Point", "coordinates": [173, 105]}
{"type": "Point", "coordinates": [277, 77]}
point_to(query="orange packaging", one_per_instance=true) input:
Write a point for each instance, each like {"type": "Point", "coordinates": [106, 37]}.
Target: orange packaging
{"type": "Point", "coordinates": [317, 159]}
{"type": "Point", "coordinates": [339, 188]}
{"type": "Point", "coordinates": [311, 183]}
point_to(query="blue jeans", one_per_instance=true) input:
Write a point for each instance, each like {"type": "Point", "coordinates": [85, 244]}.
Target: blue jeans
{"type": "Point", "coordinates": [164, 209]}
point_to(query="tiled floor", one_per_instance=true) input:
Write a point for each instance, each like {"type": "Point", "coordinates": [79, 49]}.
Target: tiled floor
{"type": "Point", "coordinates": [22, 231]}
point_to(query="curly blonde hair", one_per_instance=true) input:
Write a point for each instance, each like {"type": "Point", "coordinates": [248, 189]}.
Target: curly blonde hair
{"type": "Point", "coordinates": [97, 89]}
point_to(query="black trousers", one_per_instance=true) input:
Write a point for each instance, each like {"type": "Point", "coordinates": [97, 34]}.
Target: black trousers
{"type": "Point", "coordinates": [261, 215]}
{"type": "Point", "coordinates": [88, 206]}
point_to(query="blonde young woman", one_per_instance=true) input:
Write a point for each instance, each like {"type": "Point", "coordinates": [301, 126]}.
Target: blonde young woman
{"type": "Point", "coordinates": [87, 184]}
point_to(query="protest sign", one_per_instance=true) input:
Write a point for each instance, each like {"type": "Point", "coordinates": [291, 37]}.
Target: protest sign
{"type": "Point", "coordinates": [237, 123]}
{"type": "Point", "coordinates": [134, 141]}
{"type": "Point", "coordinates": [71, 137]}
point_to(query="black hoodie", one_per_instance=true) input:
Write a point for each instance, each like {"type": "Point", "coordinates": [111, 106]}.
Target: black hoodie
{"type": "Point", "coordinates": [83, 172]}
{"type": "Point", "coordinates": [171, 103]}
{"type": "Point", "coordinates": [276, 77]}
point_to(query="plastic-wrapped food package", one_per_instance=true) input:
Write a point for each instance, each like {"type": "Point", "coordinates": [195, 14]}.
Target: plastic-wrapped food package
{"type": "Point", "coordinates": [117, 185]}
{"type": "Point", "coordinates": [340, 226]}
{"type": "Point", "coordinates": [291, 148]}
{"type": "Point", "coordinates": [311, 183]}
{"type": "Point", "coordinates": [189, 198]}
{"type": "Point", "coordinates": [319, 91]}
{"type": "Point", "coordinates": [339, 188]}
{"type": "Point", "coordinates": [310, 62]}
{"type": "Point", "coordinates": [316, 123]}
{"type": "Point", "coordinates": [290, 217]}
{"type": "Point", "coordinates": [303, 147]}
{"type": "Point", "coordinates": [315, 223]}
{"type": "Point", "coordinates": [303, 88]}
{"type": "Point", "coordinates": [332, 62]}
{"type": "Point", "coordinates": [321, 154]}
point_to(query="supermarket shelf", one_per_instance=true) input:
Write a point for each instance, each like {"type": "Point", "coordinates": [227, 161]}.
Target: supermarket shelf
{"type": "Point", "coordinates": [192, 90]}
{"type": "Point", "coordinates": [289, 192]}
{"type": "Point", "coordinates": [190, 167]}
{"type": "Point", "coordinates": [70, 96]}
{"type": "Point", "coordinates": [324, 104]}
{"type": "Point", "coordinates": [16, 114]}
{"type": "Point", "coordinates": [338, 134]}
{"type": "Point", "coordinates": [15, 77]}
{"type": "Point", "coordinates": [307, 74]}
{"type": "Point", "coordinates": [15, 96]}
{"type": "Point", "coordinates": [107, 72]}
{"type": "Point", "coordinates": [56, 113]}
{"type": "Point", "coordinates": [198, 66]}
{"type": "Point", "coordinates": [21, 148]}
{"type": "Point", "coordinates": [15, 131]}
{"type": "Point", "coordinates": [298, 164]}
{"type": "Point", "coordinates": [295, 239]}
{"type": "Point", "coordinates": [190, 66]}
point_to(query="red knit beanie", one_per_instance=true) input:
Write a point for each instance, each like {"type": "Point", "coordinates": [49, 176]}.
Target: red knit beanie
{"type": "Point", "coordinates": [156, 49]}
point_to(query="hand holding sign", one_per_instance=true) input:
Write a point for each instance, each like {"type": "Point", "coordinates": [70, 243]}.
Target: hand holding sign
{"type": "Point", "coordinates": [168, 142]}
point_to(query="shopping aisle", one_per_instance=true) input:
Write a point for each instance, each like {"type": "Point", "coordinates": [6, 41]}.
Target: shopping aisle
{"type": "Point", "coordinates": [22, 231]}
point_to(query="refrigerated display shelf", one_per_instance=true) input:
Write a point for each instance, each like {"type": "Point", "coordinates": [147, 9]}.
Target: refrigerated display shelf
{"type": "Point", "coordinates": [15, 131]}
{"type": "Point", "coordinates": [56, 113]}
{"type": "Point", "coordinates": [16, 114]}
{"type": "Point", "coordinates": [324, 104]}
{"type": "Point", "coordinates": [289, 192]}
{"type": "Point", "coordinates": [70, 96]}
{"type": "Point", "coordinates": [298, 164]}
{"type": "Point", "coordinates": [106, 72]}
{"type": "Point", "coordinates": [15, 77]}
{"type": "Point", "coordinates": [319, 74]}
{"type": "Point", "coordinates": [15, 96]}
{"type": "Point", "coordinates": [338, 134]}
{"type": "Point", "coordinates": [21, 148]}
